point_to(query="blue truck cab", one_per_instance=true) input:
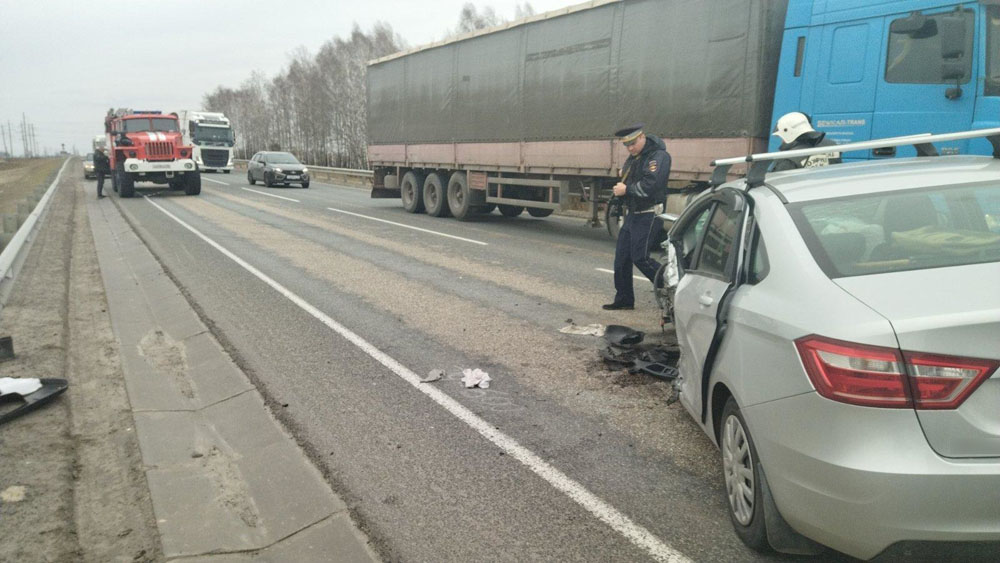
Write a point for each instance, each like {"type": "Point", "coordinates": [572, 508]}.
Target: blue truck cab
{"type": "Point", "coordinates": [869, 69]}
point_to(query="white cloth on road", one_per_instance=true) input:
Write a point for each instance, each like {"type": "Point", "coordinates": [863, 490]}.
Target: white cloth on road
{"type": "Point", "coordinates": [592, 330]}
{"type": "Point", "coordinates": [19, 386]}
{"type": "Point", "coordinates": [475, 378]}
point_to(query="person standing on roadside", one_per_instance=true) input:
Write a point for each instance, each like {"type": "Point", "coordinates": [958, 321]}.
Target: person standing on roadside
{"type": "Point", "coordinates": [643, 186]}
{"type": "Point", "coordinates": [102, 167]}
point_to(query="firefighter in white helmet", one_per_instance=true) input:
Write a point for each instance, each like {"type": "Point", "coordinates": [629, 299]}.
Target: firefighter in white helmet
{"type": "Point", "coordinates": [796, 132]}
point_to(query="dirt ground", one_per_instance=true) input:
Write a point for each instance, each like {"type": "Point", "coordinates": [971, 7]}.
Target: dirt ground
{"type": "Point", "coordinates": [20, 177]}
{"type": "Point", "coordinates": [72, 486]}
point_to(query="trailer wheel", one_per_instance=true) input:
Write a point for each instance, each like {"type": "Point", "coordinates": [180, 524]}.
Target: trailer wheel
{"type": "Point", "coordinates": [126, 184]}
{"type": "Point", "coordinates": [539, 212]}
{"type": "Point", "coordinates": [411, 190]}
{"type": "Point", "coordinates": [459, 198]}
{"type": "Point", "coordinates": [192, 183]}
{"type": "Point", "coordinates": [510, 210]}
{"type": "Point", "coordinates": [435, 196]}
{"type": "Point", "coordinates": [488, 208]}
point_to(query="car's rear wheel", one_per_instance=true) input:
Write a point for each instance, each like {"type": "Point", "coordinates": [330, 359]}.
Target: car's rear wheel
{"type": "Point", "coordinates": [741, 472]}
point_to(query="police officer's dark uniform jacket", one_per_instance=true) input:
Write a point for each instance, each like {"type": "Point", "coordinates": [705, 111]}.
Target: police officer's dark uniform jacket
{"type": "Point", "coordinates": [646, 183]}
{"type": "Point", "coordinates": [807, 140]}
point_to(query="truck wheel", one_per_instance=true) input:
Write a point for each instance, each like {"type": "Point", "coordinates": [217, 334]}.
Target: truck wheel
{"type": "Point", "coordinates": [459, 200]}
{"type": "Point", "coordinates": [126, 184]}
{"type": "Point", "coordinates": [435, 197]}
{"type": "Point", "coordinates": [510, 210]}
{"type": "Point", "coordinates": [176, 185]}
{"type": "Point", "coordinates": [411, 190]}
{"type": "Point", "coordinates": [250, 179]}
{"type": "Point", "coordinates": [539, 212]}
{"type": "Point", "coordinates": [488, 208]}
{"type": "Point", "coordinates": [192, 183]}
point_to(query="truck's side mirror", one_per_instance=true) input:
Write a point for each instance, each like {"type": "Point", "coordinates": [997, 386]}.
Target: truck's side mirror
{"type": "Point", "coordinates": [952, 30]}
{"type": "Point", "coordinates": [952, 70]}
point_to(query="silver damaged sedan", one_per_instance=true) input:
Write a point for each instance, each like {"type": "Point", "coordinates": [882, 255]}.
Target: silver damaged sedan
{"type": "Point", "coordinates": [840, 341]}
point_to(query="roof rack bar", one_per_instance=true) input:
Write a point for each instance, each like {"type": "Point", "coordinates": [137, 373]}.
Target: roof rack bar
{"type": "Point", "coordinates": [862, 145]}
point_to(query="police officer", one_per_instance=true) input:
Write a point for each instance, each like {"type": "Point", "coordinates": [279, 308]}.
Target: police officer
{"type": "Point", "coordinates": [796, 132]}
{"type": "Point", "coordinates": [102, 167]}
{"type": "Point", "coordinates": [643, 186]}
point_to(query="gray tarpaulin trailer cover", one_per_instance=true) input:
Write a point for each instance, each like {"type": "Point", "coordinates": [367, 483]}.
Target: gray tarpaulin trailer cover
{"type": "Point", "coordinates": [698, 73]}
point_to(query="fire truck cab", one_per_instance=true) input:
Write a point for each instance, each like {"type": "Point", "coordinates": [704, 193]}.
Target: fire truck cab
{"type": "Point", "coordinates": [146, 146]}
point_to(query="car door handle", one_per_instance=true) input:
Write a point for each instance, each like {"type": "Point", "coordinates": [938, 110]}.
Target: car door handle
{"type": "Point", "coordinates": [706, 300]}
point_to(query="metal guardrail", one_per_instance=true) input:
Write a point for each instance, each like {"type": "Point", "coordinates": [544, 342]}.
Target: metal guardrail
{"type": "Point", "coordinates": [348, 176]}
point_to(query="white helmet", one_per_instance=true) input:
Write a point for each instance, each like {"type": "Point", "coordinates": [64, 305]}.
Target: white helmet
{"type": "Point", "coordinates": [791, 125]}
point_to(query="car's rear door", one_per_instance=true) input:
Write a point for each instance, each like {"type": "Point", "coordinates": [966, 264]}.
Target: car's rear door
{"type": "Point", "coordinates": [710, 236]}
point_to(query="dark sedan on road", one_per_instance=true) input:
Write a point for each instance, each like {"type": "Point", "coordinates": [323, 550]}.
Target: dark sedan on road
{"type": "Point", "coordinates": [277, 168]}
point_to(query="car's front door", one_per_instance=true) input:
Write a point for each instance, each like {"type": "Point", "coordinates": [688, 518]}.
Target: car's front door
{"type": "Point", "coordinates": [710, 237]}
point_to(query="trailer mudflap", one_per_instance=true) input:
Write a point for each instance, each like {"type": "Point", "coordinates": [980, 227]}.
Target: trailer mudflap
{"type": "Point", "coordinates": [385, 193]}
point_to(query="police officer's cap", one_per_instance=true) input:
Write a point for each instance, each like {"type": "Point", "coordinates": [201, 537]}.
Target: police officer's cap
{"type": "Point", "coordinates": [630, 133]}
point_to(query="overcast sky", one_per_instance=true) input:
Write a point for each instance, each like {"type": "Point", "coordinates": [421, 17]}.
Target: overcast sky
{"type": "Point", "coordinates": [63, 63]}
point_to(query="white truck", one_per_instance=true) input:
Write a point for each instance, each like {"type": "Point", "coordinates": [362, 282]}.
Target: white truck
{"type": "Point", "coordinates": [212, 138]}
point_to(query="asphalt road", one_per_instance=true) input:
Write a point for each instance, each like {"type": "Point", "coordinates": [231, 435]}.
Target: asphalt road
{"type": "Point", "coordinates": [335, 303]}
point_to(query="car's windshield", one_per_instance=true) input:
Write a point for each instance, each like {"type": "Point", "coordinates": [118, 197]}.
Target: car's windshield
{"type": "Point", "coordinates": [139, 124]}
{"type": "Point", "coordinates": [280, 158]}
{"type": "Point", "coordinates": [909, 230]}
{"type": "Point", "coordinates": [211, 134]}
{"type": "Point", "coordinates": [89, 157]}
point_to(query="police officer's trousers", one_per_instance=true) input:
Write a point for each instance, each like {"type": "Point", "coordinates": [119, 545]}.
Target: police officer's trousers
{"type": "Point", "coordinates": [633, 248]}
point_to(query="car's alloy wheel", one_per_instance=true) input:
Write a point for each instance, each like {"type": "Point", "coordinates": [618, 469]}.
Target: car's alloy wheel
{"type": "Point", "coordinates": [743, 476]}
{"type": "Point", "coordinates": [737, 466]}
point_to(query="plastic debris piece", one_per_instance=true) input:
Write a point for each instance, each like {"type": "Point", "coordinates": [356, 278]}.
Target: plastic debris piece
{"type": "Point", "coordinates": [433, 375]}
{"type": "Point", "coordinates": [590, 330]}
{"type": "Point", "coordinates": [33, 392]}
{"type": "Point", "coordinates": [622, 335]}
{"type": "Point", "coordinates": [475, 378]}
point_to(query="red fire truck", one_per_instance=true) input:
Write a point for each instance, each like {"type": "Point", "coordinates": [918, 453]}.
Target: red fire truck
{"type": "Point", "coordinates": [146, 146]}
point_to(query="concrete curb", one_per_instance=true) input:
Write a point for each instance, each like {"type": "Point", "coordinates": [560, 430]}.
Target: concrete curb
{"type": "Point", "coordinates": [227, 483]}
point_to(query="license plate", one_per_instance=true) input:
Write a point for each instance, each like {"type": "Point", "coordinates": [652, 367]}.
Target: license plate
{"type": "Point", "coordinates": [161, 166]}
{"type": "Point", "coordinates": [292, 177]}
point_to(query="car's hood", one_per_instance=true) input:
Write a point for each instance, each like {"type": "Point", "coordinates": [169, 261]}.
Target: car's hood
{"type": "Point", "coordinates": [288, 167]}
{"type": "Point", "coordinates": [953, 310]}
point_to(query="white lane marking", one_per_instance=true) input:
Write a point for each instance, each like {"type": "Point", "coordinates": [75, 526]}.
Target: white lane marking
{"type": "Point", "coordinates": [214, 181]}
{"type": "Point", "coordinates": [643, 278]}
{"type": "Point", "coordinates": [409, 227]}
{"type": "Point", "coordinates": [638, 535]}
{"type": "Point", "coordinates": [271, 195]}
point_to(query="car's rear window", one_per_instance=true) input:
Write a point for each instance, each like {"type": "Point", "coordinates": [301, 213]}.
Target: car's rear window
{"type": "Point", "coordinates": [909, 230]}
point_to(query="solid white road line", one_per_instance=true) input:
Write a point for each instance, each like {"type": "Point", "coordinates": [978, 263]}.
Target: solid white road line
{"type": "Point", "coordinates": [643, 278]}
{"type": "Point", "coordinates": [409, 227]}
{"type": "Point", "coordinates": [271, 195]}
{"type": "Point", "coordinates": [638, 535]}
{"type": "Point", "coordinates": [214, 181]}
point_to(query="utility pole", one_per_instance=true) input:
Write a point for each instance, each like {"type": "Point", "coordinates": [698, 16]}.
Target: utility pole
{"type": "Point", "coordinates": [10, 136]}
{"type": "Point", "coordinates": [34, 140]}
{"type": "Point", "coordinates": [24, 135]}
{"type": "Point", "coordinates": [3, 133]}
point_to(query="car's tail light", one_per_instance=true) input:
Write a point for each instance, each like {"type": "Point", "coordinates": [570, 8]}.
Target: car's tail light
{"type": "Point", "coordinates": [944, 382]}
{"type": "Point", "coordinates": [884, 377]}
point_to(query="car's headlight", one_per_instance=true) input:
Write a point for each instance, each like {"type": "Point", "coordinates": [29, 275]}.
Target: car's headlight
{"type": "Point", "coordinates": [278, 170]}
{"type": "Point", "coordinates": [305, 170]}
